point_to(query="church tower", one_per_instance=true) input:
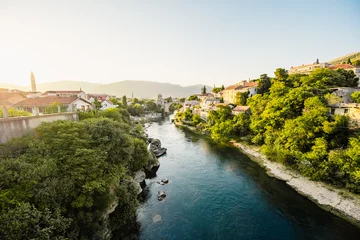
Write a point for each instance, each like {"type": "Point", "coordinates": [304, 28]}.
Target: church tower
{"type": "Point", "coordinates": [33, 83]}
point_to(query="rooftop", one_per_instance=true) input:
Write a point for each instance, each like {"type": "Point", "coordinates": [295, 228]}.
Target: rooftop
{"type": "Point", "coordinates": [46, 101]}
{"type": "Point", "coordinates": [344, 66]}
{"type": "Point", "coordinates": [63, 91]}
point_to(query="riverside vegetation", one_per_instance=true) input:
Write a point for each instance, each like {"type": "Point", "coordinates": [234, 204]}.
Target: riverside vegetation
{"type": "Point", "coordinates": [290, 120]}
{"type": "Point", "coordinates": [73, 180]}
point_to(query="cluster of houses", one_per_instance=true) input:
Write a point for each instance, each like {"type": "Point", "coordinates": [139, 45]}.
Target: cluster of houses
{"type": "Point", "coordinates": [211, 101]}
{"type": "Point", "coordinates": [38, 103]}
{"type": "Point", "coordinates": [227, 97]}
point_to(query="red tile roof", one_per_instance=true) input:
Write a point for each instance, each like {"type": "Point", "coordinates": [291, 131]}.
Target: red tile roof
{"type": "Point", "coordinates": [344, 66]}
{"type": "Point", "coordinates": [247, 85]}
{"type": "Point", "coordinates": [46, 101]}
{"type": "Point", "coordinates": [241, 85]}
{"type": "Point", "coordinates": [6, 98]}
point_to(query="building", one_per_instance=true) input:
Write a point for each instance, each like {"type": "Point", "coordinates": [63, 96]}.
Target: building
{"type": "Point", "coordinates": [99, 97]}
{"type": "Point", "coordinates": [53, 104]}
{"type": "Point", "coordinates": [344, 94]}
{"type": "Point", "coordinates": [106, 104]}
{"type": "Point", "coordinates": [209, 103]}
{"type": "Point", "coordinates": [308, 68]}
{"type": "Point", "coordinates": [349, 109]}
{"type": "Point", "coordinates": [191, 104]}
{"type": "Point", "coordinates": [241, 109]}
{"type": "Point", "coordinates": [160, 100]}
{"type": "Point", "coordinates": [79, 94]}
{"type": "Point", "coordinates": [229, 93]}
{"type": "Point", "coordinates": [347, 67]}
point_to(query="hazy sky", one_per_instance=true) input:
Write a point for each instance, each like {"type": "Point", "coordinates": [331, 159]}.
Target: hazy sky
{"type": "Point", "coordinates": [182, 42]}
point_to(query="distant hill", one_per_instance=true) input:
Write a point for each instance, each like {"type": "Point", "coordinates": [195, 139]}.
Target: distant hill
{"type": "Point", "coordinates": [352, 56]}
{"type": "Point", "coordinates": [140, 89]}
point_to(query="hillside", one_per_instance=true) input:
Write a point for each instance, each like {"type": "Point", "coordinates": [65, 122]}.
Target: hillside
{"type": "Point", "coordinates": [140, 89]}
{"type": "Point", "coordinates": [352, 56]}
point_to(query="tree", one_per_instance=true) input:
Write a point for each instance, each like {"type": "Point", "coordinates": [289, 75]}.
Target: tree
{"type": "Point", "coordinates": [216, 90]}
{"type": "Point", "coordinates": [203, 90]}
{"type": "Point", "coordinates": [264, 84]}
{"type": "Point", "coordinates": [221, 100]}
{"type": "Point", "coordinates": [169, 99]}
{"type": "Point", "coordinates": [193, 98]}
{"type": "Point", "coordinates": [356, 63]}
{"type": "Point", "coordinates": [241, 98]}
{"type": "Point", "coordinates": [124, 101]}
{"type": "Point", "coordinates": [349, 78]}
{"type": "Point", "coordinates": [356, 97]}
{"type": "Point", "coordinates": [222, 87]}
{"type": "Point", "coordinates": [175, 106]}
{"type": "Point", "coordinates": [150, 106]}
{"type": "Point", "coordinates": [97, 104]}
{"type": "Point", "coordinates": [349, 61]}
{"type": "Point", "coordinates": [182, 100]}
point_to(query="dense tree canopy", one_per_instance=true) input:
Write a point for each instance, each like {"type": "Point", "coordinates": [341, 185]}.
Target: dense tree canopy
{"type": "Point", "coordinates": [62, 183]}
{"type": "Point", "coordinates": [291, 121]}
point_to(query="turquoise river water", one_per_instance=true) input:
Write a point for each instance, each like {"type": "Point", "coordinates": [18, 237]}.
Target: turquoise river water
{"type": "Point", "coordinates": [217, 192]}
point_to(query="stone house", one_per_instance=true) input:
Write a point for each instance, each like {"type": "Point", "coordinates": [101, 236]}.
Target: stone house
{"type": "Point", "coordinates": [42, 105]}
{"type": "Point", "coordinates": [229, 93]}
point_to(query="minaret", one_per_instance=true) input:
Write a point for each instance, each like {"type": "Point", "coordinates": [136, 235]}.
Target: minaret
{"type": "Point", "coordinates": [33, 84]}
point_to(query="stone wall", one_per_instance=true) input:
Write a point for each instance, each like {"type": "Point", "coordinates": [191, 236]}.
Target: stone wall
{"type": "Point", "coordinates": [19, 126]}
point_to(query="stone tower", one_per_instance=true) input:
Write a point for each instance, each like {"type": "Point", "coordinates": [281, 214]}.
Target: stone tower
{"type": "Point", "coordinates": [33, 83]}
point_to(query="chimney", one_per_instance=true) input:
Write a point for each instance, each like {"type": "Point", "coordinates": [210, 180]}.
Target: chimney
{"type": "Point", "coordinates": [33, 84]}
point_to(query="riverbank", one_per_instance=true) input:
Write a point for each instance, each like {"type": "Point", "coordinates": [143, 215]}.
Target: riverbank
{"type": "Point", "coordinates": [337, 201]}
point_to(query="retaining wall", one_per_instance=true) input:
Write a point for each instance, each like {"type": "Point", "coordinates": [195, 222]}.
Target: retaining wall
{"type": "Point", "coordinates": [19, 126]}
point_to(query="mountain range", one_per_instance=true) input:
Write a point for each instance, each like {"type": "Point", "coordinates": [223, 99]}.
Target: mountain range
{"type": "Point", "coordinates": [139, 89]}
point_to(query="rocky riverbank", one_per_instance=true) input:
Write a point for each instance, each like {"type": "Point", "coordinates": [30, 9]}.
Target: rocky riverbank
{"type": "Point", "coordinates": [337, 201]}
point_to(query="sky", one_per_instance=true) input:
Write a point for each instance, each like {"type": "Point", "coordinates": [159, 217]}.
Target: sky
{"type": "Point", "coordinates": [182, 42]}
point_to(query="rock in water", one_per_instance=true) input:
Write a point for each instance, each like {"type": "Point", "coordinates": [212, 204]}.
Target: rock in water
{"type": "Point", "coordinates": [156, 218]}
{"type": "Point", "coordinates": [161, 195]}
{"type": "Point", "coordinates": [165, 180]}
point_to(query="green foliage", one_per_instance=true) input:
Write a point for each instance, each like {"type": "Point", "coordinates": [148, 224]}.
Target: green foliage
{"type": "Point", "coordinates": [193, 98]}
{"type": "Point", "coordinates": [136, 109]}
{"type": "Point", "coordinates": [13, 112]}
{"type": "Point", "coordinates": [264, 84]}
{"type": "Point", "coordinates": [175, 106]}
{"type": "Point", "coordinates": [150, 106]}
{"type": "Point", "coordinates": [349, 61]}
{"type": "Point", "coordinates": [356, 63]}
{"type": "Point", "coordinates": [61, 183]}
{"type": "Point", "coordinates": [290, 120]}
{"type": "Point", "coordinates": [241, 98]}
{"type": "Point", "coordinates": [356, 97]}
{"type": "Point", "coordinates": [97, 104]}
{"type": "Point", "coordinates": [203, 90]}
{"type": "Point", "coordinates": [182, 100]}
{"type": "Point", "coordinates": [169, 99]}
{"type": "Point", "coordinates": [124, 101]}
{"type": "Point", "coordinates": [216, 90]}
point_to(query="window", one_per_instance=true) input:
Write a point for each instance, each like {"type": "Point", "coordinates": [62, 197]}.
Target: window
{"type": "Point", "coordinates": [346, 110]}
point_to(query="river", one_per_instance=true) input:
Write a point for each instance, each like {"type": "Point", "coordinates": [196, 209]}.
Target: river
{"type": "Point", "coordinates": [217, 192]}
